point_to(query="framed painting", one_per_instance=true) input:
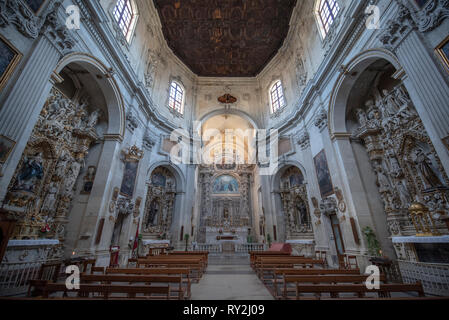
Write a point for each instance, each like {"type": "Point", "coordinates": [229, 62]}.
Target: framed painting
{"type": "Point", "coordinates": [323, 174]}
{"type": "Point", "coordinates": [129, 178]}
{"type": "Point", "coordinates": [443, 52]}
{"type": "Point", "coordinates": [158, 180]}
{"type": "Point", "coordinates": [9, 58]}
{"type": "Point", "coordinates": [226, 184]}
{"type": "Point", "coordinates": [6, 146]}
{"type": "Point", "coordinates": [35, 5]}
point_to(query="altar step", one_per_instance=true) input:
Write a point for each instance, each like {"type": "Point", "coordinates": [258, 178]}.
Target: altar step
{"type": "Point", "coordinates": [228, 259]}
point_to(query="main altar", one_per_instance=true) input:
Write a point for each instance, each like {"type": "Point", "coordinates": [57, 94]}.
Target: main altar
{"type": "Point", "coordinates": [226, 219]}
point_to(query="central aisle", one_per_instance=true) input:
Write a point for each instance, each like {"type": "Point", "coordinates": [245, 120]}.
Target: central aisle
{"type": "Point", "coordinates": [230, 277]}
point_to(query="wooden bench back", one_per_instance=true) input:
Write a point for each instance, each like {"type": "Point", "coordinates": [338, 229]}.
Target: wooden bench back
{"type": "Point", "coordinates": [360, 289]}
{"type": "Point", "coordinates": [293, 271]}
{"type": "Point", "coordinates": [105, 291]}
{"type": "Point", "coordinates": [86, 278]}
{"type": "Point", "coordinates": [149, 271]}
{"type": "Point", "coordinates": [329, 278]}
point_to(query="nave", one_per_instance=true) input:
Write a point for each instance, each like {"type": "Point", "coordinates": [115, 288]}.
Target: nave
{"type": "Point", "coordinates": [263, 275]}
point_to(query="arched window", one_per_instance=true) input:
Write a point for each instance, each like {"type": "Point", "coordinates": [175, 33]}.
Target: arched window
{"type": "Point", "coordinates": [125, 15]}
{"type": "Point", "coordinates": [277, 96]}
{"type": "Point", "coordinates": [326, 11]}
{"type": "Point", "coordinates": [176, 98]}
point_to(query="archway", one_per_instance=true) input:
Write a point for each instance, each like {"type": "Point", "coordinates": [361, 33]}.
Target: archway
{"type": "Point", "coordinates": [390, 148]}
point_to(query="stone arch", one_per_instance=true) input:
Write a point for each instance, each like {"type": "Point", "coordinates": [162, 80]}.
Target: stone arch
{"type": "Point", "coordinates": [175, 170]}
{"type": "Point", "coordinates": [275, 180]}
{"type": "Point", "coordinates": [219, 112]}
{"type": "Point", "coordinates": [345, 83]}
{"type": "Point", "coordinates": [109, 86]}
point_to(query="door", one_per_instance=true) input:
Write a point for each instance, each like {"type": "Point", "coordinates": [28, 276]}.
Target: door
{"type": "Point", "coordinates": [338, 240]}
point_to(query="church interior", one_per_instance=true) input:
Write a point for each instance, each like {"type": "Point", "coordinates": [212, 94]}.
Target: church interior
{"type": "Point", "coordinates": [224, 149]}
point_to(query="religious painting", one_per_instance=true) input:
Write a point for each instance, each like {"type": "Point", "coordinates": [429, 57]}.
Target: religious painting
{"type": "Point", "coordinates": [35, 5]}
{"type": "Point", "coordinates": [323, 174]}
{"type": "Point", "coordinates": [89, 180]}
{"type": "Point", "coordinates": [30, 174]}
{"type": "Point", "coordinates": [129, 178]}
{"type": "Point", "coordinates": [6, 146]}
{"type": "Point", "coordinates": [443, 52]}
{"type": "Point", "coordinates": [226, 184]}
{"type": "Point", "coordinates": [158, 180]}
{"type": "Point", "coordinates": [9, 58]}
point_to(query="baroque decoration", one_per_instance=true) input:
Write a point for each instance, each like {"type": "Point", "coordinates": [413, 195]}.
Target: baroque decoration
{"type": "Point", "coordinates": [295, 203]}
{"type": "Point", "coordinates": [41, 191]}
{"type": "Point", "coordinates": [159, 204]}
{"type": "Point", "coordinates": [225, 208]}
{"type": "Point", "coordinates": [404, 160]}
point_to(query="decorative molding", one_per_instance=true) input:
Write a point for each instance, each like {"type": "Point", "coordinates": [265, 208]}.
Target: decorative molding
{"type": "Point", "coordinates": [304, 140]}
{"type": "Point", "coordinates": [321, 120]}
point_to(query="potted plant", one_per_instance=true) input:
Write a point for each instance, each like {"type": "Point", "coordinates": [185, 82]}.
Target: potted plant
{"type": "Point", "coordinates": [186, 238]}
{"type": "Point", "coordinates": [269, 240]}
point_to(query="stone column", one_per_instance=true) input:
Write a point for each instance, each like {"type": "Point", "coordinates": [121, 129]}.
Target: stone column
{"type": "Point", "coordinates": [106, 179]}
{"type": "Point", "coordinates": [21, 109]}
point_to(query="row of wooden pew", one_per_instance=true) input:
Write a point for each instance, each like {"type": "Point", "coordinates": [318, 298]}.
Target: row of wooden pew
{"type": "Point", "coordinates": [161, 277]}
{"type": "Point", "coordinates": [299, 278]}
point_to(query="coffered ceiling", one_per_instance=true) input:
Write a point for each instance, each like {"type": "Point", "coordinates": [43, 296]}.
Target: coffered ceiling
{"type": "Point", "coordinates": [225, 38]}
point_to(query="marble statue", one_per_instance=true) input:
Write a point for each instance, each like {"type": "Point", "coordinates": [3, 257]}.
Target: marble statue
{"type": "Point", "coordinates": [382, 179]}
{"type": "Point", "coordinates": [404, 195]}
{"type": "Point", "coordinates": [51, 198]}
{"type": "Point", "coordinates": [390, 105]}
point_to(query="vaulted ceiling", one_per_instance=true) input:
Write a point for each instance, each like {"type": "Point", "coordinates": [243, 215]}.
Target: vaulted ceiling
{"type": "Point", "coordinates": [225, 38]}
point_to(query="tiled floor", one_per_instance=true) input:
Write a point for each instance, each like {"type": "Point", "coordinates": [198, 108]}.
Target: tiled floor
{"type": "Point", "coordinates": [230, 277]}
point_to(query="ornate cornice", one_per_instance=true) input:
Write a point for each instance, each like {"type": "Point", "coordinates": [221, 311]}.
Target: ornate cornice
{"type": "Point", "coordinates": [48, 23]}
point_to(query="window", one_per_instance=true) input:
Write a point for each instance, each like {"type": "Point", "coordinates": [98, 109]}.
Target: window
{"type": "Point", "coordinates": [277, 96]}
{"type": "Point", "coordinates": [326, 12]}
{"type": "Point", "coordinates": [125, 17]}
{"type": "Point", "coordinates": [176, 99]}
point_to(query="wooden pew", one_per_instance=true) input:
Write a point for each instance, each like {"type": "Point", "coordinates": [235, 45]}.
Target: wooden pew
{"type": "Point", "coordinates": [89, 291]}
{"type": "Point", "coordinates": [182, 272]}
{"type": "Point", "coordinates": [195, 265]}
{"type": "Point", "coordinates": [280, 273]}
{"type": "Point", "coordinates": [333, 279]}
{"type": "Point", "coordinates": [255, 254]}
{"type": "Point", "coordinates": [181, 292]}
{"type": "Point", "coordinates": [360, 290]}
{"type": "Point", "coordinates": [266, 266]}
{"type": "Point", "coordinates": [203, 254]}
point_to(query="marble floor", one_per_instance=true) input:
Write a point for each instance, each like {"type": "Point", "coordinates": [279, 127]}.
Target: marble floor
{"type": "Point", "coordinates": [230, 277]}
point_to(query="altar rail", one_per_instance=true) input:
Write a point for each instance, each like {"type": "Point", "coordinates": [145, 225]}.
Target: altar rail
{"type": "Point", "coordinates": [433, 276]}
{"type": "Point", "coordinates": [14, 277]}
{"type": "Point", "coordinates": [211, 248]}
{"type": "Point", "coordinates": [239, 247]}
{"type": "Point", "coordinates": [249, 247]}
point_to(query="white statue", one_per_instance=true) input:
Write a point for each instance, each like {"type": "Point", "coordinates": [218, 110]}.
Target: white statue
{"type": "Point", "coordinates": [61, 166]}
{"type": "Point", "coordinates": [93, 118]}
{"type": "Point", "coordinates": [404, 195]}
{"type": "Point", "coordinates": [382, 179]}
{"type": "Point", "coordinates": [390, 104]}
{"type": "Point", "coordinates": [72, 175]}
{"type": "Point", "coordinates": [361, 115]}
{"type": "Point", "coordinates": [50, 199]}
